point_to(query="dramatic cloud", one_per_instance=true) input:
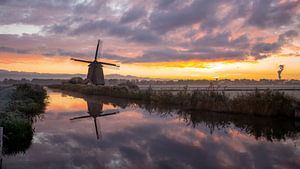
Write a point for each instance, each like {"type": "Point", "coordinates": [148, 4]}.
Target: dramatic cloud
{"type": "Point", "coordinates": [132, 15]}
{"type": "Point", "coordinates": [223, 39]}
{"type": "Point", "coordinates": [196, 12]}
{"type": "Point", "coordinates": [261, 50]}
{"type": "Point", "coordinates": [117, 30]}
{"type": "Point", "coordinates": [268, 13]}
{"type": "Point", "coordinates": [14, 50]}
{"type": "Point", "coordinates": [152, 31]}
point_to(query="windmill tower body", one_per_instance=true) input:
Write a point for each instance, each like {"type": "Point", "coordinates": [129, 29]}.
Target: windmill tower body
{"type": "Point", "coordinates": [95, 72]}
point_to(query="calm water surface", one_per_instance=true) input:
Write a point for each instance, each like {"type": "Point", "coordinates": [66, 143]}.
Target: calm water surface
{"type": "Point", "coordinates": [73, 133]}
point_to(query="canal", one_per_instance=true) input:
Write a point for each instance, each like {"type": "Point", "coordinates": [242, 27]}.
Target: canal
{"type": "Point", "coordinates": [92, 132]}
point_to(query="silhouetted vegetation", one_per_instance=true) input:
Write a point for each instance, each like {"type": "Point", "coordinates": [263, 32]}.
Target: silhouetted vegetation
{"type": "Point", "coordinates": [269, 128]}
{"type": "Point", "coordinates": [129, 85]}
{"type": "Point", "coordinates": [268, 103]}
{"type": "Point", "coordinates": [26, 102]}
{"type": "Point", "coordinates": [76, 80]}
{"type": "Point", "coordinates": [262, 103]}
{"type": "Point", "coordinates": [18, 133]}
{"type": "Point", "coordinates": [260, 127]}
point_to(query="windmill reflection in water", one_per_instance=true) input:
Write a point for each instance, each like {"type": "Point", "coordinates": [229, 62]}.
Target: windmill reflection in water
{"type": "Point", "coordinates": [95, 110]}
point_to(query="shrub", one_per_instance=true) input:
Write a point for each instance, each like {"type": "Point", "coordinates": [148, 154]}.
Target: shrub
{"type": "Point", "coordinates": [129, 85]}
{"type": "Point", "coordinates": [76, 80]}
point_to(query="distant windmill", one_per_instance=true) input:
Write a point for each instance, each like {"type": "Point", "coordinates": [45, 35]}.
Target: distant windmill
{"type": "Point", "coordinates": [281, 68]}
{"type": "Point", "coordinates": [95, 72]}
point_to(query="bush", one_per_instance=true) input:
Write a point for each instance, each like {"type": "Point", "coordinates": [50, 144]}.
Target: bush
{"type": "Point", "coordinates": [76, 80]}
{"type": "Point", "coordinates": [129, 85]}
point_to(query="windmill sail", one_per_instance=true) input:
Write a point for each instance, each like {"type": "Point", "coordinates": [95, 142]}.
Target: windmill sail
{"type": "Point", "coordinates": [80, 60]}
{"type": "Point", "coordinates": [110, 64]}
{"type": "Point", "coordinates": [96, 54]}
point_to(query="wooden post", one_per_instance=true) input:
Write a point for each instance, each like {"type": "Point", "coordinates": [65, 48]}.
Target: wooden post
{"type": "Point", "coordinates": [1, 144]}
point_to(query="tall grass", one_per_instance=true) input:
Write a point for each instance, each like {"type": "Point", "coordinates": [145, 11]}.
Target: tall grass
{"type": "Point", "coordinates": [18, 133]}
{"type": "Point", "coordinates": [29, 100]}
{"type": "Point", "coordinates": [263, 103]}
{"type": "Point", "coordinates": [268, 103]}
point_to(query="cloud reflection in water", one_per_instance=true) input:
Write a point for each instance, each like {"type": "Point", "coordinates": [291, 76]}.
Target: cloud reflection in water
{"type": "Point", "coordinates": [135, 138]}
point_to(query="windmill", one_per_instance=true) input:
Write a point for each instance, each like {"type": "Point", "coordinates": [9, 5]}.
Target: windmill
{"type": "Point", "coordinates": [95, 73]}
{"type": "Point", "coordinates": [95, 110]}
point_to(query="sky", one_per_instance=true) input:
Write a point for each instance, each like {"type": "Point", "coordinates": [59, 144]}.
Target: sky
{"type": "Point", "coordinates": [171, 39]}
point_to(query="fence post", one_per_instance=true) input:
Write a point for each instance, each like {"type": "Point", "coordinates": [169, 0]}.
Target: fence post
{"type": "Point", "coordinates": [1, 144]}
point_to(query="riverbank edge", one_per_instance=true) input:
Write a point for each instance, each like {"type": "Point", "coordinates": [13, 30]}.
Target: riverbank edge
{"type": "Point", "coordinates": [259, 103]}
{"type": "Point", "coordinates": [25, 103]}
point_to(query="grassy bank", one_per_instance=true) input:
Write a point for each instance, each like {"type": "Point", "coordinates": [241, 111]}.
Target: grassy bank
{"type": "Point", "coordinates": [268, 128]}
{"type": "Point", "coordinates": [259, 103]}
{"type": "Point", "coordinates": [24, 104]}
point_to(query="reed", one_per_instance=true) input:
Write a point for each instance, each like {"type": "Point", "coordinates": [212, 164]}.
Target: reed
{"type": "Point", "coordinates": [262, 103]}
{"type": "Point", "coordinates": [266, 103]}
